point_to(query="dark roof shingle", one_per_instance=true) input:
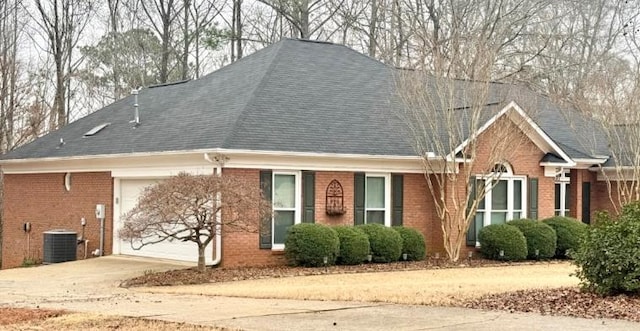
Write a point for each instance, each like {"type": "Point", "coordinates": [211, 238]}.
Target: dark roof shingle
{"type": "Point", "coordinates": [293, 96]}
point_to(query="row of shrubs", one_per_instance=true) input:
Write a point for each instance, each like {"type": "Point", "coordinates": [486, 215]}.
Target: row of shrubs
{"type": "Point", "coordinates": [528, 239]}
{"type": "Point", "coordinates": [308, 244]}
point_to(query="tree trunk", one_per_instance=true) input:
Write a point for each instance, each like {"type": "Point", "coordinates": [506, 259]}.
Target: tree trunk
{"type": "Point", "coordinates": [237, 34]}
{"type": "Point", "coordinates": [187, 41]}
{"type": "Point", "coordinates": [59, 102]}
{"type": "Point", "coordinates": [373, 24]}
{"type": "Point", "coordinates": [166, 34]}
{"type": "Point", "coordinates": [201, 258]}
{"type": "Point", "coordinates": [304, 19]}
{"type": "Point", "coordinates": [113, 21]}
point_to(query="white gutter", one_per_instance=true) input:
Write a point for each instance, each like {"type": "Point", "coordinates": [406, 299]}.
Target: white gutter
{"type": "Point", "coordinates": [214, 151]}
{"type": "Point", "coordinates": [216, 261]}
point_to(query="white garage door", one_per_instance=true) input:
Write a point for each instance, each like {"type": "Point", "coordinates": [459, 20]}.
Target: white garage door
{"type": "Point", "coordinates": [130, 189]}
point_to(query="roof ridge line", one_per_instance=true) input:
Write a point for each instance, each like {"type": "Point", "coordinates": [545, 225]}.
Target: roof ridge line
{"type": "Point", "coordinates": [250, 99]}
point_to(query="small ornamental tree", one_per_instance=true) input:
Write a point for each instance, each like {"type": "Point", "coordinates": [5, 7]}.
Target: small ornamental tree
{"type": "Point", "coordinates": [195, 208]}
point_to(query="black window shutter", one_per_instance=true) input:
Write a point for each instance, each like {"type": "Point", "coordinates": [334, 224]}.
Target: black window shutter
{"type": "Point", "coordinates": [397, 199]}
{"type": "Point", "coordinates": [308, 196]}
{"type": "Point", "coordinates": [533, 198]}
{"type": "Point", "coordinates": [586, 202]}
{"type": "Point", "coordinates": [471, 231]}
{"type": "Point", "coordinates": [358, 198]}
{"type": "Point", "coordinates": [265, 226]}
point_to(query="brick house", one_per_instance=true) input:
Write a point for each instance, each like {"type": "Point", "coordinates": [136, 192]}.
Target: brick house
{"type": "Point", "coordinates": [311, 121]}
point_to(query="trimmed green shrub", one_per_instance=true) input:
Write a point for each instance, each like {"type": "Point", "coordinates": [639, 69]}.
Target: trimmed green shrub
{"type": "Point", "coordinates": [502, 237]}
{"type": "Point", "coordinates": [308, 244]}
{"type": "Point", "coordinates": [631, 210]}
{"type": "Point", "coordinates": [412, 243]}
{"type": "Point", "coordinates": [354, 245]}
{"type": "Point", "coordinates": [540, 237]}
{"type": "Point", "coordinates": [608, 257]}
{"type": "Point", "coordinates": [385, 243]}
{"type": "Point", "coordinates": [569, 232]}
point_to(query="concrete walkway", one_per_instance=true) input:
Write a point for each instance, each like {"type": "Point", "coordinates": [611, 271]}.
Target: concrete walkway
{"type": "Point", "coordinates": [91, 286]}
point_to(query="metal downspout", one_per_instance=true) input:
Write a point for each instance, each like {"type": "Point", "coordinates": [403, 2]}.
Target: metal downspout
{"type": "Point", "coordinates": [218, 258]}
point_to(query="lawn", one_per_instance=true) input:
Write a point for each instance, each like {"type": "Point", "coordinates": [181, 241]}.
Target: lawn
{"type": "Point", "coordinates": [451, 286]}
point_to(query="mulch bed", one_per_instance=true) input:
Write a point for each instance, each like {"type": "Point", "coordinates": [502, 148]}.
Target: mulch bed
{"type": "Point", "coordinates": [563, 301]}
{"type": "Point", "coordinates": [217, 275]}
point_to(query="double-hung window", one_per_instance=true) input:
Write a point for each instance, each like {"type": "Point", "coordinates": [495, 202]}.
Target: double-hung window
{"type": "Point", "coordinates": [378, 199]}
{"type": "Point", "coordinates": [286, 205]}
{"type": "Point", "coordinates": [562, 186]}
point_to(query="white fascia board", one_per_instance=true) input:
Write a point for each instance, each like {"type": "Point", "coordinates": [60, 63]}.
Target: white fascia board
{"type": "Point", "coordinates": [325, 163]}
{"type": "Point", "coordinates": [542, 137]}
{"type": "Point", "coordinates": [592, 161]}
{"type": "Point", "coordinates": [579, 164]}
{"type": "Point", "coordinates": [159, 163]}
{"type": "Point", "coordinates": [614, 174]}
{"type": "Point", "coordinates": [554, 164]}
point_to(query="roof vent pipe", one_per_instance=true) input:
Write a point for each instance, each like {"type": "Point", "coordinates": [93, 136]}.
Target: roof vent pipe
{"type": "Point", "coordinates": [136, 119]}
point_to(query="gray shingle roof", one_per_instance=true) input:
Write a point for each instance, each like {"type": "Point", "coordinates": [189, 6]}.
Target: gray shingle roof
{"type": "Point", "coordinates": [294, 96]}
{"type": "Point", "coordinates": [297, 96]}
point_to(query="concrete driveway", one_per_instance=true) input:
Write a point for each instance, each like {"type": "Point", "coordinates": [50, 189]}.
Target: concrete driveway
{"type": "Point", "coordinates": [86, 279]}
{"type": "Point", "coordinates": [92, 286]}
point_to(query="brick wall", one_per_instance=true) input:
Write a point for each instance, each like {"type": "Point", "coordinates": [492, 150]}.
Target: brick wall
{"type": "Point", "coordinates": [419, 212]}
{"type": "Point", "coordinates": [346, 179]}
{"type": "Point", "coordinates": [600, 200]}
{"type": "Point", "coordinates": [242, 248]}
{"type": "Point", "coordinates": [42, 200]}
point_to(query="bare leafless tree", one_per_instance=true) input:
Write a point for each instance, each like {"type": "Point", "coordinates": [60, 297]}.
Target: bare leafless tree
{"type": "Point", "coordinates": [162, 16]}
{"type": "Point", "coordinates": [448, 102]}
{"type": "Point", "coordinates": [203, 15]}
{"type": "Point", "coordinates": [62, 22]}
{"type": "Point", "coordinates": [595, 71]}
{"type": "Point", "coordinates": [195, 208]}
{"type": "Point", "coordinates": [9, 71]}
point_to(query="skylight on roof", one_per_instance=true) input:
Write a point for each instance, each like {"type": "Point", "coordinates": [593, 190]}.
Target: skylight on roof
{"type": "Point", "coordinates": [96, 129]}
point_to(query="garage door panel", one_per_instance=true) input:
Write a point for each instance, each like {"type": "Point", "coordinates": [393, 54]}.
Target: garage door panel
{"type": "Point", "coordinates": [130, 190]}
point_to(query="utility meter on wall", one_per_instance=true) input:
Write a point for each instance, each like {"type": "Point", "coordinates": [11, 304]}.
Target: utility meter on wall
{"type": "Point", "coordinates": [100, 211]}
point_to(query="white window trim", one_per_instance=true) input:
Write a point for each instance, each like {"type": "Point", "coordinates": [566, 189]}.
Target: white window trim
{"type": "Point", "coordinates": [387, 197]}
{"type": "Point", "coordinates": [297, 218]}
{"type": "Point", "coordinates": [510, 178]}
{"type": "Point", "coordinates": [563, 180]}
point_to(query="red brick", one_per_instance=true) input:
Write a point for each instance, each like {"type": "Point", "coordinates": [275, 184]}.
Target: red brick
{"type": "Point", "coordinates": [42, 200]}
